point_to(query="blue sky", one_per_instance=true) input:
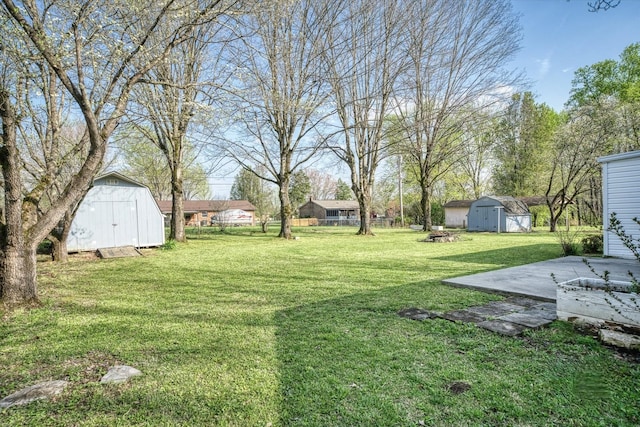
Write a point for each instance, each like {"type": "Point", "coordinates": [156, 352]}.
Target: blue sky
{"type": "Point", "coordinates": [560, 36]}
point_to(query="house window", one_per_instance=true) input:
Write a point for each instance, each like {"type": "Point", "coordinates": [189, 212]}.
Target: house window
{"type": "Point", "coordinates": [205, 214]}
{"type": "Point", "coordinates": [332, 212]}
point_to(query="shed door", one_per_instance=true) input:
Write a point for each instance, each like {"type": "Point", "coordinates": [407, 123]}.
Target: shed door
{"type": "Point", "coordinates": [117, 224]}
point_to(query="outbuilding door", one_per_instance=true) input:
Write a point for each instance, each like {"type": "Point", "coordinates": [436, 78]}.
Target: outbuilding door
{"type": "Point", "coordinates": [486, 218]}
{"type": "Point", "coordinates": [117, 223]}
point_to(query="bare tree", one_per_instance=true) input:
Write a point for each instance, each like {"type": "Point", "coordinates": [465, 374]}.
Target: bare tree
{"type": "Point", "coordinates": [457, 53]}
{"type": "Point", "coordinates": [323, 185]}
{"type": "Point", "coordinates": [362, 60]}
{"type": "Point", "coordinates": [98, 52]}
{"type": "Point", "coordinates": [578, 143]}
{"type": "Point", "coordinates": [167, 103]}
{"type": "Point", "coordinates": [279, 94]}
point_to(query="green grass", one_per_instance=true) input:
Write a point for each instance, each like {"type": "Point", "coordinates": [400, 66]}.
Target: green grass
{"type": "Point", "coordinates": [244, 329]}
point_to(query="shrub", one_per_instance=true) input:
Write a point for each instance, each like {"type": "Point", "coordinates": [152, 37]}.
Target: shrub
{"type": "Point", "coordinates": [168, 245]}
{"type": "Point", "coordinates": [569, 241]}
{"type": "Point", "coordinates": [592, 244]}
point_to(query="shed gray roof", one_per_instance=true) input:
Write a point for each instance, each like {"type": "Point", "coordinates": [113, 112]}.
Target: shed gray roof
{"type": "Point", "coordinates": [511, 205]}
{"type": "Point", "coordinates": [458, 204]}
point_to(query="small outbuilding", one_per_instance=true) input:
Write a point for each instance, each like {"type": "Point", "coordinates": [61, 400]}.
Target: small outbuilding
{"type": "Point", "coordinates": [499, 214]}
{"type": "Point", "coordinates": [117, 211]}
{"type": "Point", "coordinates": [621, 195]}
{"type": "Point", "coordinates": [331, 212]}
{"type": "Point", "coordinates": [456, 212]}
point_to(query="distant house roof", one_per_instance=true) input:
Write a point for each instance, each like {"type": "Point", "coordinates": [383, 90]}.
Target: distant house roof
{"type": "Point", "coordinates": [191, 206]}
{"type": "Point", "coordinates": [458, 204]}
{"type": "Point", "coordinates": [336, 204]}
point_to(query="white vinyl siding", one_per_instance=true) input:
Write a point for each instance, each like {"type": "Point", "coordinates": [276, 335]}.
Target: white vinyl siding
{"type": "Point", "coordinates": [621, 194]}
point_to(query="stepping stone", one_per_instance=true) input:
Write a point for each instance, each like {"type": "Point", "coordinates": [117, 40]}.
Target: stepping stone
{"type": "Point", "coordinates": [417, 314]}
{"type": "Point", "coordinates": [502, 327]}
{"type": "Point", "coordinates": [523, 301]}
{"type": "Point", "coordinates": [546, 310]}
{"type": "Point", "coordinates": [119, 374]}
{"type": "Point", "coordinates": [489, 310]}
{"type": "Point", "coordinates": [620, 339]}
{"type": "Point", "coordinates": [463, 316]}
{"type": "Point", "coordinates": [528, 320]}
{"type": "Point", "coordinates": [507, 306]}
{"type": "Point", "coordinates": [44, 390]}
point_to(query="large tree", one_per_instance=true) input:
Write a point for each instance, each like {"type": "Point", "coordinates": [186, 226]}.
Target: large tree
{"type": "Point", "coordinates": [144, 160]}
{"type": "Point", "coordinates": [457, 53]}
{"type": "Point", "coordinates": [168, 103]}
{"type": "Point", "coordinates": [249, 186]}
{"type": "Point", "coordinates": [573, 161]}
{"type": "Point", "coordinates": [278, 94]}
{"type": "Point", "coordinates": [524, 145]}
{"type": "Point", "coordinates": [362, 58]}
{"type": "Point", "coordinates": [98, 52]}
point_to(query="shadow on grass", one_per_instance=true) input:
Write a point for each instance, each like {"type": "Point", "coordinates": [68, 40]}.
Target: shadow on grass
{"type": "Point", "coordinates": [353, 361]}
{"type": "Point", "coordinates": [517, 255]}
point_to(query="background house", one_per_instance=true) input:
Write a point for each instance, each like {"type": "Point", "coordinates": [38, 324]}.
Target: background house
{"type": "Point", "coordinates": [332, 212]}
{"type": "Point", "coordinates": [620, 194]}
{"type": "Point", "coordinates": [200, 212]}
{"type": "Point", "coordinates": [455, 213]}
{"type": "Point", "coordinates": [500, 214]}
{"type": "Point", "coordinates": [117, 211]}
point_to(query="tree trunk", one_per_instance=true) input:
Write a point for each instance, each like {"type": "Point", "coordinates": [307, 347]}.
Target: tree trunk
{"type": "Point", "coordinates": [285, 210]}
{"type": "Point", "coordinates": [365, 220]}
{"type": "Point", "coordinates": [425, 205]}
{"type": "Point", "coordinates": [177, 205]}
{"type": "Point", "coordinates": [58, 238]}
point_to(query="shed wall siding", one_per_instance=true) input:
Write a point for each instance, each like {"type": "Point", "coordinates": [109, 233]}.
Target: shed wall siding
{"type": "Point", "coordinates": [111, 216]}
{"type": "Point", "coordinates": [455, 217]}
{"type": "Point", "coordinates": [621, 183]}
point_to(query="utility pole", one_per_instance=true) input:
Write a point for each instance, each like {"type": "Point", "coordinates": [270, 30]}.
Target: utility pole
{"type": "Point", "coordinates": [400, 190]}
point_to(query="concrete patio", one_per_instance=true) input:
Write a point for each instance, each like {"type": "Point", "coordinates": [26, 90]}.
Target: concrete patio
{"type": "Point", "coordinates": [534, 280]}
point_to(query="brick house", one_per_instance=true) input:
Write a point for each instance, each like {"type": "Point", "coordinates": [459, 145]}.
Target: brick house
{"type": "Point", "coordinates": [200, 212]}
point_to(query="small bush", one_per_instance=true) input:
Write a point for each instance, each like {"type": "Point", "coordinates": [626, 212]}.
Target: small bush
{"type": "Point", "coordinates": [569, 241]}
{"type": "Point", "coordinates": [593, 244]}
{"type": "Point", "coordinates": [168, 245]}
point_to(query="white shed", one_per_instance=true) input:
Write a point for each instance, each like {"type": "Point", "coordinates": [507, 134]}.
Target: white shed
{"type": "Point", "coordinates": [117, 211]}
{"type": "Point", "coordinates": [620, 194]}
{"type": "Point", "coordinates": [456, 212]}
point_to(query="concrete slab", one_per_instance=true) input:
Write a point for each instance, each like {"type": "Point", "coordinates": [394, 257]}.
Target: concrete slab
{"type": "Point", "coordinates": [534, 280]}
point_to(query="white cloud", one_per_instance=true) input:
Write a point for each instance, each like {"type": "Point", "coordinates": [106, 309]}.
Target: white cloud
{"type": "Point", "coordinates": [544, 66]}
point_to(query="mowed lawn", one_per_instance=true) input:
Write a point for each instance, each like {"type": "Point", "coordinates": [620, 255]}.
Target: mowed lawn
{"type": "Point", "coordinates": [244, 329]}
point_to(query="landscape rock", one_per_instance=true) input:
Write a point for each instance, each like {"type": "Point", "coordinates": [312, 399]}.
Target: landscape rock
{"type": "Point", "coordinates": [620, 339]}
{"type": "Point", "coordinates": [414, 313]}
{"type": "Point", "coordinates": [40, 391]}
{"type": "Point", "coordinates": [119, 374]}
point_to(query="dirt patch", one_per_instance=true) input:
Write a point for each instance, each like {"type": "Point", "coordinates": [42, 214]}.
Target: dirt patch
{"type": "Point", "coordinates": [458, 387]}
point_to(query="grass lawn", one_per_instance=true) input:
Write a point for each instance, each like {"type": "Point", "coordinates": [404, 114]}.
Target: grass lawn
{"type": "Point", "coordinates": [244, 329]}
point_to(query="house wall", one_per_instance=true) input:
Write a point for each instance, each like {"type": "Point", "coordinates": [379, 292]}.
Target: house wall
{"type": "Point", "coordinates": [312, 210]}
{"type": "Point", "coordinates": [621, 194]}
{"type": "Point", "coordinates": [455, 217]}
{"type": "Point", "coordinates": [116, 215]}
